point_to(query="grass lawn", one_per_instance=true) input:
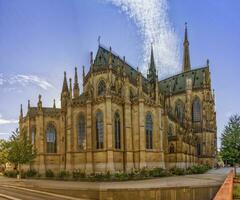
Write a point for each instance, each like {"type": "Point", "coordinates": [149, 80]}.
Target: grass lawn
{"type": "Point", "coordinates": [236, 188]}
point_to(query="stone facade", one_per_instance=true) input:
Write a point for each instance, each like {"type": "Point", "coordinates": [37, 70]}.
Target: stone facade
{"type": "Point", "coordinates": [123, 120]}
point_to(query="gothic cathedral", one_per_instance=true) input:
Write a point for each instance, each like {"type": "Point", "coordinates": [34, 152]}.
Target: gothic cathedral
{"type": "Point", "coordinates": [122, 120]}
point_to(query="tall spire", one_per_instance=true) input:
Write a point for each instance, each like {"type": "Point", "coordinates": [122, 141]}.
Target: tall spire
{"type": "Point", "coordinates": [76, 85]}
{"type": "Point", "coordinates": [70, 87]}
{"type": "Point", "coordinates": [65, 85]}
{"type": "Point", "coordinates": [186, 55]}
{"type": "Point", "coordinates": [21, 111]}
{"type": "Point", "coordinates": [152, 68]}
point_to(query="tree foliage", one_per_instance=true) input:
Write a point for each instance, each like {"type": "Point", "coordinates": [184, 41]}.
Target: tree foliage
{"type": "Point", "coordinates": [3, 152]}
{"type": "Point", "coordinates": [20, 150]}
{"type": "Point", "coordinates": [230, 148]}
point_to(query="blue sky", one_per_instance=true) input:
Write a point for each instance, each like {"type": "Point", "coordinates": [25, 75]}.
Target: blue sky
{"type": "Point", "coordinates": [42, 38]}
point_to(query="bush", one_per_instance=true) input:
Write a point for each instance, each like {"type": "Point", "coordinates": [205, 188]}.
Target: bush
{"type": "Point", "coordinates": [49, 173]}
{"type": "Point", "coordinates": [178, 171]}
{"type": "Point", "coordinates": [11, 174]}
{"type": "Point", "coordinates": [78, 174]}
{"type": "Point", "coordinates": [197, 169]}
{"type": "Point", "coordinates": [31, 173]}
{"type": "Point", "coordinates": [63, 174]}
{"type": "Point", "coordinates": [158, 172]}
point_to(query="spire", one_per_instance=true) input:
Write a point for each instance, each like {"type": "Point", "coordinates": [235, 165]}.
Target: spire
{"type": "Point", "coordinates": [186, 55]}
{"type": "Point", "coordinates": [152, 75]}
{"type": "Point", "coordinates": [39, 101]}
{"type": "Point", "coordinates": [65, 85]}
{"type": "Point", "coordinates": [70, 87]}
{"type": "Point", "coordinates": [83, 71]}
{"type": "Point", "coordinates": [54, 103]}
{"type": "Point", "coordinates": [21, 111]}
{"type": "Point", "coordinates": [29, 104]}
{"type": "Point", "coordinates": [110, 58]}
{"type": "Point", "coordinates": [76, 85]}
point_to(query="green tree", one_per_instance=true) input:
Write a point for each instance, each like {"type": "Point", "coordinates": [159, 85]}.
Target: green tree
{"type": "Point", "coordinates": [3, 154]}
{"type": "Point", "coordinates": [20, 150]}
{"type": "Point", "coordinates": [230, 141]}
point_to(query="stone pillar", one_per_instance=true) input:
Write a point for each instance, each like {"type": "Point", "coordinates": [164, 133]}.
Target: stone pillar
{"type": "Point", "coordinates": [68, 141]}
{"type": "Point", "coordinates": [41, 144]}
{"type": "Point", "coordinates": [128, 146]}
{"type": "Point", "coordinates": [142, 135]}
{"type": "Point", "coordinates": [109, 133]}
{"type": "Point", "coordinates": [89, 138]}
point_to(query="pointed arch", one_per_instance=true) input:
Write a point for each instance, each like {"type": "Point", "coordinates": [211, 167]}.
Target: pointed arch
{"type": "Point", "coordinates": [196, 110]}
{"type": "Point", "coordinates": [179, 111]}
{"type": "Point", "coordinates": [117, 130]}
{"type": "Point", "coordinates": [149, 130]}
{"type": "Point", "coordinates": [99, 130]}
{"type": "Point", "coordinates": [51, 138]}
{"type": "Point", "coordinates": [101, 88]}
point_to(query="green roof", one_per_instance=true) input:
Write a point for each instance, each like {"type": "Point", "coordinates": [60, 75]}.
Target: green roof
{"type": "Point", "coordinates": [177, 83]}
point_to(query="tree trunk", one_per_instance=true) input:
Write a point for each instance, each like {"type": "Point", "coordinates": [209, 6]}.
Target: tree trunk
{"type": "Point", "coordinates": [19, 171]}
{"type": "Point", "coordinates": [235, 170]}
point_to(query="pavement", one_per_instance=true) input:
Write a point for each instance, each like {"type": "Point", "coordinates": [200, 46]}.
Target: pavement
{"type": "Point", "coordinates": [48, 189]}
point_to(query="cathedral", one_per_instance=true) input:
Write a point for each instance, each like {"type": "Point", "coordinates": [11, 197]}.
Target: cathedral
{"type": "Point", "coordinates": [122, 120]}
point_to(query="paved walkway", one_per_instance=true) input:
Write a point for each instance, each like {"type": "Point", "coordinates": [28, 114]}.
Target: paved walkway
{"type": "Point", "coordinates": [213, 178]}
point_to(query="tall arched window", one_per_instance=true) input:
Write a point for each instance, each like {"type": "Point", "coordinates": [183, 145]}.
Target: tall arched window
{"type": "Point", "coordinates": [196, 110]}
{"type": "Point", "coordinates": [179, 110]}
{"type": "Point", "coordinates": [51, 139]}
{"type": "Point", "coordinates": [81, 131]}
{"type": "Point", "coordinates": [33, 135]}
{"type": "Point", "coordinates": [117, 131]}
{"type": "Point", "coordinates": [99, 129]}
{"type": "Point", "coordinates": [148, 130]}
{"type": "Point", "coordinates": [198, 149]}
{"type": "Point", "coordinates": [101, 88]}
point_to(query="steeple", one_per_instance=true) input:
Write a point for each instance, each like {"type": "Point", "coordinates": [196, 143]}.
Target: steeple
{"type": "Point", "coordinates": [76, 85]}
{"type": "Point", "coordinates": [70, 87]}
{"type": "Point", "coordinates": [21, 111]}
{"type": "Point", "coordinates": [186, 55]}
{"type": "Point", "coordinates": [152, 75]}
{"type": "Point", "coordinates": [54, 103]}
{"type": "Point", "coordinates": [65, 85]}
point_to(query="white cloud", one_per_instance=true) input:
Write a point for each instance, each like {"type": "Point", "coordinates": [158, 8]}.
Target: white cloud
{"type": "Point", "coordinates": [151, 17]}
{"type": "Point", "coordinates": [7, 121]}
{"type": "Point", "coordinates": [11, 83]}
{"type": "Point", "coordinates": [25, 80]}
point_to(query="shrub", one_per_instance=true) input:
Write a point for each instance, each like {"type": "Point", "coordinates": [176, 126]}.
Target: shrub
{"type": "Point", "coordinates": [31, 173]}
{"type": "Point", "coordinates": [178, 171]}
{"type": "Point", "coordinates": [78, 174]}
{"type": "Point", "coordinates": [63, 174]}
{"type": "Point", "coordinates": [49, 173]}
{"type": "Point", "coordinates": [158, 172]}
{"type": "Point", "coordinates": [198, 169]}
{"type": "Point", "coordinates": [11, 174]}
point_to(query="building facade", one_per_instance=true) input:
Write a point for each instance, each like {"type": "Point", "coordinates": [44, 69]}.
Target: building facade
{"type": "Point", "coordinates": [122, 120]}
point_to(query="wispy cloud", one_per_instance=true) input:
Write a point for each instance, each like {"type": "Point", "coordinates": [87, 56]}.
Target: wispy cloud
{"type": "Point", "coordinates": [7, 121]}
{"type": "Point", "coordinates": [24, 80]}
{"type": "Point", "coordinates": [1, 79]}
{"type": "Point", "coordinates": [151, 17]}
